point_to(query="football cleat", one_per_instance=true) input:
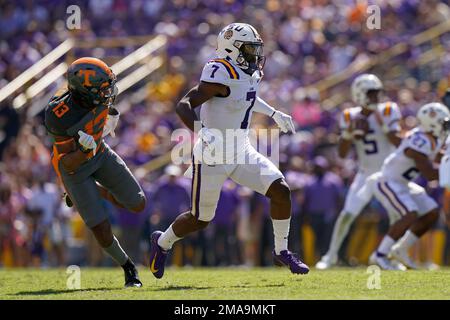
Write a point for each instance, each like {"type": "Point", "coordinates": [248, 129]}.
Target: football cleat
{"type": "Point", "coordinates": [402, 256]}
{"type": "Point", "coordinates": [287, 258]}
{"type": "Point", "coordinates": [157, 256]}
{"type": "Point", "coordinates": [131, 275]}
{"type": "Point", "coordinates": [326, 262]}
{"type": "Point", "coordinates": [384, 263]}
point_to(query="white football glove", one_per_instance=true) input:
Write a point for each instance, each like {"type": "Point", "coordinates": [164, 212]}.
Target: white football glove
{"type": "Point", "coordinates": [87, 141]}
{"type": "Point", "coordinates": [110, 125]}
{"type": "Point", "coordinates": [209, 146]}
{"type": "Point", "coordinates": [284, 121]}
{"type": "Point", "coordinates": [209, 138]}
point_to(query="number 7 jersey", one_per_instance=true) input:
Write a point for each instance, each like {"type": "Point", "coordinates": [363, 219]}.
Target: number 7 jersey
{"type": "Point", "coordinates": [235, 110]}
{"type": "Point", "coordinates": [375, 147]}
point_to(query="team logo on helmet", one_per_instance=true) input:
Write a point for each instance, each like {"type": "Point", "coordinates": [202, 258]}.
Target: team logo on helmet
{"type": "Point", "coordinates": [228, 34]}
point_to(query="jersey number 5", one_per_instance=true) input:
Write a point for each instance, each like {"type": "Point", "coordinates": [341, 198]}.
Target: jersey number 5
{"type": "Point", "coordinates": [251, 96]}
{"type": "Point", "coordinates": [371, 145]}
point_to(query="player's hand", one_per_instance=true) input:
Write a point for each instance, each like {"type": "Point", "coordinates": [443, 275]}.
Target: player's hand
{"type": "Point", "coordinates": [208, 138]}
{"type": "Point", "coordinates": [347, 134]}
{"type": "Point", "coordinates": [284, 121]}
{"type": "Point", "coordinates": [110, 125]}
{"type": "Point", "coordinates": [360, 127]}
{"type": "Point", "coordinates": [87, 141]}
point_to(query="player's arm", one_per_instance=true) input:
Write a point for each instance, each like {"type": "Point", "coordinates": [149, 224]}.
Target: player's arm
{"type": "Point", "coordinates": [196, 97]}
{"type": "Point", "coordinates": [70, 156]}
{"type": "Point", "coordinates": [284, 121]}
{"type": "Point", "coordinates": [391, 123]}
{"type": "Point", "coordinates": [440, 155]}
{"type": "Point", "coordinates": [346, 139]}
{"type": "Point", "coordinates": [344, 145]}
{"type": "Point", "coordinates": [394, 137]}
{"type": "Point", "coordinates": [423, 164]}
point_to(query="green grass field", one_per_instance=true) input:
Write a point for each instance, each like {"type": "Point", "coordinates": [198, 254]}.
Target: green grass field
{"type": "Point", "coordinates": [226, 283]}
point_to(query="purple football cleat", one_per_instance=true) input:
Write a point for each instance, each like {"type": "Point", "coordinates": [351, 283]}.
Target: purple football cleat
{"type": "Point", "coordinates": [157, 256]}
{"type": "Point", "coordinates": [287, 258]}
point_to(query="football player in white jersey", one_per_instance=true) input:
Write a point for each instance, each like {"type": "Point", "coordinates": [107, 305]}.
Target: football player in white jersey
{"type": "Point", "coordinates": [373, 129]}
{"type": "Point", "coordinates": [411, 211]}
{"type": "Point", "coordinates": [228, 90]}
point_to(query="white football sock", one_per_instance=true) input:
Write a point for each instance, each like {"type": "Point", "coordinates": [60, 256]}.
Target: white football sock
{"type": "Point", "coordinates": [340, 231]}
{"type": "Point", "coordinates": [407, 240]}
{"type": "Point", "coordinates": [281, 233]}
{"type": "Point", "coordinates": [385, 245]}
{"type": "Point", "coordinates": [167, 239]}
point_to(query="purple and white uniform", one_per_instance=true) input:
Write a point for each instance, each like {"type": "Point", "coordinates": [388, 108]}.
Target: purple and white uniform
{"type": "Point", "coordinates": [241, 161]}
{"type": "Point", "coordinates": [393, 186]}
{"type": "Point", "coordinates": [371, 150]}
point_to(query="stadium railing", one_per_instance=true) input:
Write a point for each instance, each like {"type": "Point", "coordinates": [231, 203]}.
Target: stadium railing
{"type": "Point", "coordinates": [324, 86]}
{"type": "Point", "coordinates": [148, 54]}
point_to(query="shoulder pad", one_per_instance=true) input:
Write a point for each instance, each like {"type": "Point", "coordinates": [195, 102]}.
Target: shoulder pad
{"type": "Point", "coordinates": [420, 142]}
{"type": "Point", "coordinates": [219, 71]}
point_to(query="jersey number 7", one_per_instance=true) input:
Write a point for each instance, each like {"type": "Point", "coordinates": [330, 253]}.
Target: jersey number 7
{"type": "Point", "coordinates": [251, 96]}
{"type": "Point", "coordinates": [214, 71]}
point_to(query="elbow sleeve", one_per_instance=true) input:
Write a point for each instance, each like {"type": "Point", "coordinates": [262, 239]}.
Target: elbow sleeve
{"type": "Point", "coordinates": [263, 107]}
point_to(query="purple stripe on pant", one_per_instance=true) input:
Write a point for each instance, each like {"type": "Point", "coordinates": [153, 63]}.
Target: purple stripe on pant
{"type": "Point", "coordinates": [197, 196]}
{"type": "Point", "coordinates": [389, 199]}
{"type": "Point", "coordinates": [396, 198]}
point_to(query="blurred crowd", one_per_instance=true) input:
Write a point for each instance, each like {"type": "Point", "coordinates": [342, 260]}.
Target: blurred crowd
{"type": "Point", "coordinates": [304, 41]}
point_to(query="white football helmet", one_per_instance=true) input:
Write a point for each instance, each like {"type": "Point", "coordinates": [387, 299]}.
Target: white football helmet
{"type": "Point", "coordinates": [361, 85]}
{"type": "Point", "coordinates": [241, 44]}
{"type": "Point", "coordinates": [434, 118]}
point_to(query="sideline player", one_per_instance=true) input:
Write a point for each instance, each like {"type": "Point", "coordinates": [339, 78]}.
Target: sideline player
{"type": "Point", "coordinates": [412, 211]}
{"type": "Point", "coordinates": [89, 169]}
{"type": "Point", "coordinates": [228, 89]}
{"type": "Point", "coordinates": [373, 129]}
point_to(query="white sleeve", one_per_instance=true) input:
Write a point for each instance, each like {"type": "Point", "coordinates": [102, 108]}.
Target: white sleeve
{"type": "Point", "coordinates": [391, 117]}
{"type": "Point", "coordinates": [215, 72]}
{"type": "Point", "coordinates": [263, 107]}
